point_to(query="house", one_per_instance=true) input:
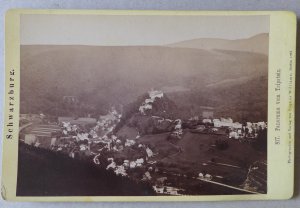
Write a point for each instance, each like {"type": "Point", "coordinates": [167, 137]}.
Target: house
{"type": "Point", "coordinates": [262, 124]}
{"type": "Point", "coordinates": [158, 189]}
{"type": "Point", "coordinates": [149, 152]}
{"type": "Point", "coordinates": [234, 135]}
{"type": "Point", "coordinates": [223, 122]}
{"type": "Point", "coordinates": [201, 176]}
{"type": "Point", "coordinates": [129, 143]}
{"type": "Point", "coordinates": [237, 125]}
{"type": "Point", "coordinates": [172, 190]}
{"type": "Point", "coordinates": [208, 177]}
{"type": "Point", "coordinates": [132, 164]}
{"type": "Point", "coordinates": [139, 162]}
{"type": "Point", "coordinates": [126, 163]}
{"type": "Point", "coordinates": [206, 120]}
{"type": "Point", "coordinates": [155, 94]}
{"type": "Point", "coordinates": [120, 170]}
{"type": "Point", "coordinates": [30, 139]}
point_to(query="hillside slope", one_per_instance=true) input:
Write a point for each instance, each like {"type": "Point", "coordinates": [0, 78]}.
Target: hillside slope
{"type": "Point", "coordinates": [45, 173]}
{"type": "Point", "coordinates": [105, 76]}
{"type": "Point", "coordinates": [256, 44]}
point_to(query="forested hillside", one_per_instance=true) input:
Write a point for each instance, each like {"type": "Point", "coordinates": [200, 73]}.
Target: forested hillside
{"type": "Point", "coordinates": [42, 172]}
{"type": "Point", "coordinates": [105, 76]}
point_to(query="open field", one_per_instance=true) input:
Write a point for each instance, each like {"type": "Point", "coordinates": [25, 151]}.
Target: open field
{"type": "Point", "coordinates": [199, 154]}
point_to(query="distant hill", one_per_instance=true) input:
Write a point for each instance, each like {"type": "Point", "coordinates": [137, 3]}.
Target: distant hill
{"type": "Point", "coordinates": [102, 76]}
{"type": "Point", "coordinates": [255, 44]}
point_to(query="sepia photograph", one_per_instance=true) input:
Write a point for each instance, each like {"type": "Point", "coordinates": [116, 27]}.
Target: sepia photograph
{"type": "Point", "coordinates": [143, 105]}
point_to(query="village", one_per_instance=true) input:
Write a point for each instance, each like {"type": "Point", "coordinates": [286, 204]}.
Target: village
{"type": "Point", "coordinates": [188, 154]}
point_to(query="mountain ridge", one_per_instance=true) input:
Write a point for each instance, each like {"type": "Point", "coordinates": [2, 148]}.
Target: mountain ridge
{"type": "Point", "coordinates": [105, 76]}
{"type": "Point", "coordinates": [255, 44]}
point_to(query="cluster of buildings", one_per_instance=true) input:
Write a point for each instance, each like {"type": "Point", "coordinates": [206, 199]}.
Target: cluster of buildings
{"type": "Point", "coordinates": [131, 163]}
{"type": "Point", "coordinates": [236, 129]}
{"type": "Point", "coordinates": [127, 164]}
{"type": "Point", "coordinates": [147, 104]}
{"type": "Point", "coordinates": [223, 122]}
{"type": "Point", "coordinates": [73, 138]}
{"type": "Point", "coordinates": [169, 190]}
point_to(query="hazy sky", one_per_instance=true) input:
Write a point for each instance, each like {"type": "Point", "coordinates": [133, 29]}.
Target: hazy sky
{"type": "Point", "coordinates": [135, 30]}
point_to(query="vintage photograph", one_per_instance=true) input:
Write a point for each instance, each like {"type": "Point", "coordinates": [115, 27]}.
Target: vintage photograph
{"type": "Point", "coordinates": [143, 105]}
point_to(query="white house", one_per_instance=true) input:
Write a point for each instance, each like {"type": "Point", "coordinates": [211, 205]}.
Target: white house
{"type": "Point", "coordinates": [129, 143]}
{"type": "Point", "coordinates": [139, 162]}
{"type": "Point", "coordinates": [30, 139]}
{"type": "Point", "coordinates": [132, 164]}
{"type": "Point", "coordinates": [149, 152]}
{"type": "Point", "coordinates": [206, 120]}
{"type": "Point", "coordinates": [223, 122]}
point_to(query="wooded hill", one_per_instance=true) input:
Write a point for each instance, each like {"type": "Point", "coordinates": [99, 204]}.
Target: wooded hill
{"type": "Point", "coordinates": [232, 81]}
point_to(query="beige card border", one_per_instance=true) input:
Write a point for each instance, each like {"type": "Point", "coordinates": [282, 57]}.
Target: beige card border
{"type": "Point", "coordinates": [280, 172]}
